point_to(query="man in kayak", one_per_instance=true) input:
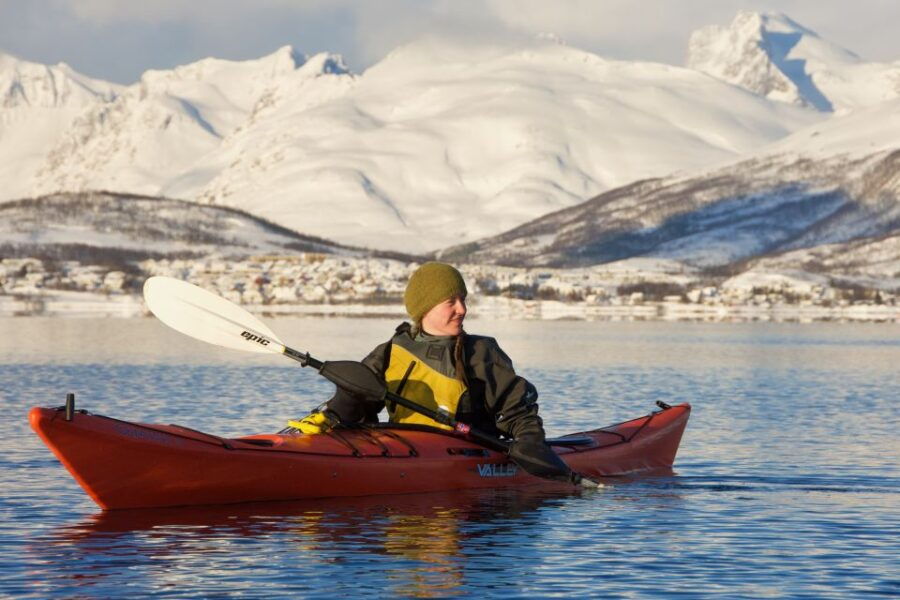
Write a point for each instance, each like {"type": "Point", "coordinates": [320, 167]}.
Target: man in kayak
{"type": "Point", "coordinates": [436, 364]}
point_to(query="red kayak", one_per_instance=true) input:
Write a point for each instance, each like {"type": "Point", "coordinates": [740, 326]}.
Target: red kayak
{"type": "Point", "coordinates": [135, 465]}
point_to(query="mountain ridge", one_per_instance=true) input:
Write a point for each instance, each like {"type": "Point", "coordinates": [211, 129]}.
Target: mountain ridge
{"type": "Point", "coordinates": [804, 218]}
{"type": "Point", "coordinates": [129, 227]}
{"type": "Point", "coordinates": [438, 142]}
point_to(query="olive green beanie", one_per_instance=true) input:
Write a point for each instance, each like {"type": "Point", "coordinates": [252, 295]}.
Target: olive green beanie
{"type": "Point", "coordinates": [429, 285]}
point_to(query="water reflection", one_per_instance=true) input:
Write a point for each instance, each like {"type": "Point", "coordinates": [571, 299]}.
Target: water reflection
{"type": "Point", "coordinates": [417, 545]}
{"type": "Point", "coordinates": [428, 533]}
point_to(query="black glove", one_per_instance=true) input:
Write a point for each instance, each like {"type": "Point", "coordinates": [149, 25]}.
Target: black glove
{"type": "Point", "coordinates": [537, 458]}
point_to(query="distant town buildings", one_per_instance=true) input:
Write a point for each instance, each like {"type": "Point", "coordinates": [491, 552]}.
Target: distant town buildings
{"type": "Point", "coordinates": [324, 283]}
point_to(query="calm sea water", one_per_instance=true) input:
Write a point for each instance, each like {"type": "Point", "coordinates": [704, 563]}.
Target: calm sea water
{"type": "Point", "coordinates": [787, 483]}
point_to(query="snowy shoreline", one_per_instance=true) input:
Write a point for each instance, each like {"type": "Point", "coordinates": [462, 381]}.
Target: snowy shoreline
{"type": "Point", "coordinates": [65, 304]}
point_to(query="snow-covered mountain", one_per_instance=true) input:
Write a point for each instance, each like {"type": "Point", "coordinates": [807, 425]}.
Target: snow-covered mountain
{"type": "Point", "coordinates": [773, 56]}
{"type": "Point", "coordinates": [436, 144]}
{"type": "Point", "coordinates": [820, 200]}
{"type": "Point", "coordinates": [439, 143]}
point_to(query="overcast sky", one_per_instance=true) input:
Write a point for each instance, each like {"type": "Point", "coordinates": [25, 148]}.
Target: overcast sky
{"type": "Point", "coordinates": [119, 39]}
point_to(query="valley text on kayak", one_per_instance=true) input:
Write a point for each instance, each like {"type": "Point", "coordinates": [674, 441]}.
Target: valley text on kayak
{"type": "Point", "coordinates": [497, 470]}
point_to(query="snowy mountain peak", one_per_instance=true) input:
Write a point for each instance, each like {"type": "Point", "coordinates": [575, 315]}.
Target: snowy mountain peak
{"type": "Point", "coordinates": [218, 72]}
{"type": "Point", "coordinates": [774, 56]}
{"type": "Point", "coordinates": [285, 58]}
{"type": "Point", "coordinates": [28, 84]}
{"type": "Point", "coordinates": [235, 86]}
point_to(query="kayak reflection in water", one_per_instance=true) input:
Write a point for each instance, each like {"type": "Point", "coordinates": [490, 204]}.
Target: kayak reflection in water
{"type": "Point", "coordinates": [436, 364]}
{"type": "Point", "coordinates": [412, 545]}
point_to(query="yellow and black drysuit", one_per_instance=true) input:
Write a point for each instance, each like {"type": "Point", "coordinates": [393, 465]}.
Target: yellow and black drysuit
{"type": "Point", "coordinates": [424, 368]}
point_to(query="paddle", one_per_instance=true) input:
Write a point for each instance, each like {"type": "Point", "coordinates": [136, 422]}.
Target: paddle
{"type": "Point", "coordinates": [203, 315]}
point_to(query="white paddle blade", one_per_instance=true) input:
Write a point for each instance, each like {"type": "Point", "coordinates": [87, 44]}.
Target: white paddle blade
{"type": "Point", "coordinates": [200, 314]}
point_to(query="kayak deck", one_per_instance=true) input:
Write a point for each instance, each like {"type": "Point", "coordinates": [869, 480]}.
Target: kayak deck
{"type": "Point", "coordinates": [134, 465]}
